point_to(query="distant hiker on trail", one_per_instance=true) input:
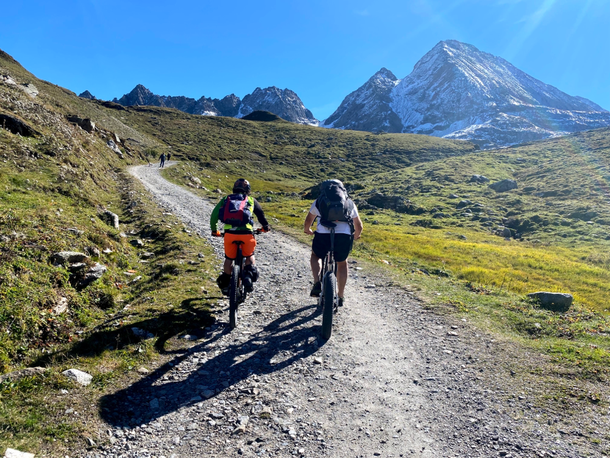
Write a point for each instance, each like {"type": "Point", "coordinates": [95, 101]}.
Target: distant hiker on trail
{"type": "Point", "coordinates": [335, 207]}
{"type": "Point", "coordinates": [235, 211]}
{"type": "Point", "coordinates": [162, 159]}
{"type": "Point", "coordinates": [169, 156]}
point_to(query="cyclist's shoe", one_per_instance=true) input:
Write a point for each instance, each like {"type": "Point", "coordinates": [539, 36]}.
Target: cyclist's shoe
{"type": "Point", "coordinates": [251, 271]}
{"type": "Point", "coordinates": [340, 302]}
{"type": "Point", "coordinates": [248, 286]}
{"type": "Point", "coordinates": [316, 290]}
{"type": "Point", "coordinates": [224, 283]}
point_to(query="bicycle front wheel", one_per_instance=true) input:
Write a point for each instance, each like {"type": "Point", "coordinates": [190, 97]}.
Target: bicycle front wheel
{"type": "Point", "coordinates": [234, 297]}
{"type": "Point", "coordinates": [329, 285]}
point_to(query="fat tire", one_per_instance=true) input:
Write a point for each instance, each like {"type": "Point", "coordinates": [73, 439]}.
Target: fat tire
{"type": "Point", "coordinates": [234, 297]}
{"type": "Point", "coordinates": [328, 304]}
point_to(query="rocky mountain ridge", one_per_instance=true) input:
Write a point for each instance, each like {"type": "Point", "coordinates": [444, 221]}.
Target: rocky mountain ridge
{"type": "Point", "coordinates": [457, 91]}
{"type": "Point", "coordinates": [284, 103]}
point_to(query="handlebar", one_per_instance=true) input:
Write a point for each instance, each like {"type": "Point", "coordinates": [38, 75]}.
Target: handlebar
{"type": "Point", "coordinates": [254, 232]}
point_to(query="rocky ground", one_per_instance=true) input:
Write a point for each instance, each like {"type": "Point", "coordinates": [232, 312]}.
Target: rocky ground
{"type": "Point", "coordinates": [395, 379]}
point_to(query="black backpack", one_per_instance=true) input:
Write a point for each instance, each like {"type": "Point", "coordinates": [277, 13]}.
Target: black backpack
{"type": "Point", "coordinates": [334, 203]}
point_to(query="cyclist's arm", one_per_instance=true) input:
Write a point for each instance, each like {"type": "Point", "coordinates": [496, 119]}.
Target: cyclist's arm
{"type": "Point", "coordinates": [357, 227]}
{"type": "Point", "coordinates": [214, 216]}
{"type": "Point", "coordinates": [308, 222]}
{"type": "Point", "coordinates": [260, 215]}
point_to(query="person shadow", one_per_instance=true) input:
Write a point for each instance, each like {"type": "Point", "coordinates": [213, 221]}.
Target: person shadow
{"type": "Point", "coordinates": [278, 345]}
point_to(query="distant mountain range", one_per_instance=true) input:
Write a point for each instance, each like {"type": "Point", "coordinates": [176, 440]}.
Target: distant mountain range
{"type": "Point", "coordinates": [454, 91]}
{"type": "Point", "coordinates": [284, 103]}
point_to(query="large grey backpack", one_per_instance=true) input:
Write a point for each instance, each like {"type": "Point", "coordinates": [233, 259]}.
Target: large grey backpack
{"type": "Point", "coordinates": [333, 203]}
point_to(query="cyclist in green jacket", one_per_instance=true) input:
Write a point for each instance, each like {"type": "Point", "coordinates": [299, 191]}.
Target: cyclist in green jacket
{"type": "Point", "coordinates": [238, 225]}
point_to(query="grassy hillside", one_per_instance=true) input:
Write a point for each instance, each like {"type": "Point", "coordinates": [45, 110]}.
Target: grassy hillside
{"type": "Point", "coordinates": [550, 233]}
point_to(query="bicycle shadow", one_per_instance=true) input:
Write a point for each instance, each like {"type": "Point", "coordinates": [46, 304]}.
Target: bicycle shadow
{"type": "Point", "coordinates": [280, 344]}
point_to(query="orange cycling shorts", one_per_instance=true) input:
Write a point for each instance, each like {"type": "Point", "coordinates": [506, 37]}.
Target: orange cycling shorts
{"type": "Point", "coordinates": [247, 248]}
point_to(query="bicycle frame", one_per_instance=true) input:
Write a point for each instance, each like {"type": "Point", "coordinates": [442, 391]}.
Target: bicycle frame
{"type": "Point", "coordinates": [328, 297]}
{"type": "Point", "coordinates": [328, 263]}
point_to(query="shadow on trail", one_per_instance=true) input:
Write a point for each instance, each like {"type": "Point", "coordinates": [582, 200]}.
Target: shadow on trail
{"type": "Point", "coordinates": [280, 344]}
{"type": "Point", "coordinates": [190, 316]}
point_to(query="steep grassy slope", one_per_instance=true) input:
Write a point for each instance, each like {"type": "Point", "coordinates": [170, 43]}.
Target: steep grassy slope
{"type": "Point", "coordinates": [56, 181]}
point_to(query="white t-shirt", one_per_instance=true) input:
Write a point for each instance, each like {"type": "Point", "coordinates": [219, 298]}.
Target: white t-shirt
{"type": "Point", "coordinates": [342, 226]}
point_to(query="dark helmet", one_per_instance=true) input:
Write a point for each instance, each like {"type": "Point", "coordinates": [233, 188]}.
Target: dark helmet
{"type": "Point", "coordinates": [241, 185]}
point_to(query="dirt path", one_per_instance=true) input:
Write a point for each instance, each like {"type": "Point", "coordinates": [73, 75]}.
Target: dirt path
{"type": "Point", "coordinates": [395, 380]}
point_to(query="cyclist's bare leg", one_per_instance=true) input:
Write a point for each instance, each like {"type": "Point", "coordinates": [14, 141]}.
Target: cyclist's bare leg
{"type": "Point", "coordinates": [316, 267]}
{"type": "Point", "coordinates": [342, 273]}
{"type": "Point", "coordinates": [227, 266]}
{"type": "Point", "coordinates": [229, 263]}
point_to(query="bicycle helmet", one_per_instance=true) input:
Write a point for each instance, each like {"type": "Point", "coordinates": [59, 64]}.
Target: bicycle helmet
{"type": "Point", "coordinates": [241, 185]}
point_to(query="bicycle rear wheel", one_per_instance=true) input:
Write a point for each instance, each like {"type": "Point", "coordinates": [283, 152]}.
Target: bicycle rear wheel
{"type": "Point", "coordinates": [234, 297]}
{"type": "Point", "coordinates": [329, 285]}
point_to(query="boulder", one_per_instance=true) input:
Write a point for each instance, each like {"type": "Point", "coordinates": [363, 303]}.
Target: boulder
{"type": "Point", "coordinates": [463, 204]}
{"type": "Point", "coordinates": [94, 273]}
{"type": "Point", "coordinates": [86, 124]}
{"type": "Point", "coordinates": [583, 214]}
{"type": "Point", "coordinates": [17, 126]}
{"type": "Point", "coordinates": [504, 185]}
{"type": "Point", "coordinates": [504, 232]}
{"type": "Point", "coordinates": [478, 179]}
{"type": "Point", "coordinates": [556, 302]}
{"type": "Point", "coordinates": [393, 202]}
{"type": "Point", "coordinates": [30, 89]}
{"type": "Point", "coordinates": [12, 453]}
{"type": "Point", "coordinates": [79, 377]}
{"type": "Point", "coordinates": [114, 147]}
{"type": "Point", "coordinates": [22, 373]}
{"type": "Point", "coordinates": [67, 257]}
{"type": "Point", "coordinates": [111, 218]}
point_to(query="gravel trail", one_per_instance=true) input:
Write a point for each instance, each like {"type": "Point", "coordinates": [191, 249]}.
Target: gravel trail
{"type": "Point", "coordinates": [395, 380]}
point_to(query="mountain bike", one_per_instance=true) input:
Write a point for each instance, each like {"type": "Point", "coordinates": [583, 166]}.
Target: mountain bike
{"type": "Point", "coordinates": [237, 292]}
{"type": "Point", "coordinates": [329, 297]}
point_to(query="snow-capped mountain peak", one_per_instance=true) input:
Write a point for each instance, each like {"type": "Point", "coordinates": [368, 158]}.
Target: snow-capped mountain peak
{"type": "Point", "coordinates": [368, 108]}
{"type": "Point", "coordinates": [457, 91]}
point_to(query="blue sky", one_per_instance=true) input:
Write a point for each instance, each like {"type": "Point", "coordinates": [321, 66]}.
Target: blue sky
{"type": "Point", "coordinates": [321, 49]}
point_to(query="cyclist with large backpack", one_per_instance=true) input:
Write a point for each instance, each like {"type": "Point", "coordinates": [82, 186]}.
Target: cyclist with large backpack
{"type": "Point", "coordinates": [332, 207]}
{"type": "Point", "coordinates": [236, 212]}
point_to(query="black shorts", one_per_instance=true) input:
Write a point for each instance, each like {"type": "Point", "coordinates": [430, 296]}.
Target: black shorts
{"type": "Point", "coordinates": [343, 245]}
